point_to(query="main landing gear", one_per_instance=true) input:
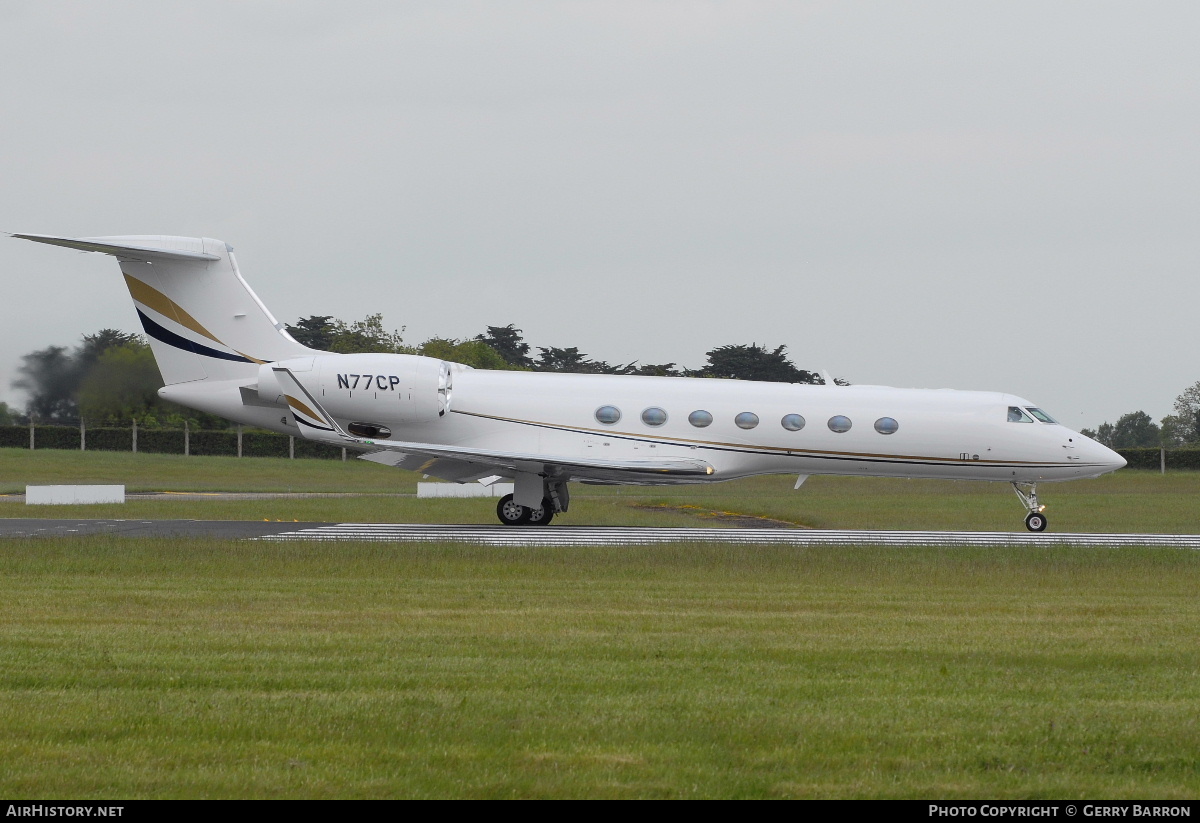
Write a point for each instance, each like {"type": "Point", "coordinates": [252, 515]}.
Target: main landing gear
{"type": "Point", "coordinates": [555, 500]}
{"type": "Point", "coordinates": [1035, 521]}
{"type": "Point", "coordinates": [512, 513]}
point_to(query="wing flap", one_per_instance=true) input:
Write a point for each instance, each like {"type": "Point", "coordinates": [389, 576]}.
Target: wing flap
{"type": "Point", "coordinates": [456, 471]}
{"type": "Point", "coordinates": [511, 462]}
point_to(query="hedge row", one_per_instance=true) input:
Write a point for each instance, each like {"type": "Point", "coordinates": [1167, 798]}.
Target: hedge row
{"type": "Point", "coordinates": [1151, 458]}
{"type": "Point", "coordinates": [165, 441]}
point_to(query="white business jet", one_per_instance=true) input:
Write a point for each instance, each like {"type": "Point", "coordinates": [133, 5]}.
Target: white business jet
{"type": "Point", "coordinates": [221, 351]}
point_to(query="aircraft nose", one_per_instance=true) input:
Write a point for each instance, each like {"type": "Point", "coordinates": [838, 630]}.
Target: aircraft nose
{"type": "Point", "coordinates": [1113, 460]}
{"type": "Point", "coordinates": [1104, 457]}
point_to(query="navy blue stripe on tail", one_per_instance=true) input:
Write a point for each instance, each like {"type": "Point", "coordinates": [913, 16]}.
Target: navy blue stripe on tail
{"type": "Point", "coordinates": [172, 339]}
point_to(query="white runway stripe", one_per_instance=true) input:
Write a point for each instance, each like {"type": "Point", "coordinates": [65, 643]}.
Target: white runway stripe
{"type": "Point", "coordinates": [617, 536]}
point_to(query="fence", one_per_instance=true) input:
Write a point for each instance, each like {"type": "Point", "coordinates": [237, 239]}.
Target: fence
{"type": "Point", "coordinates": [254, 443]}
{"type": "Point", "coordinates": [257, 443]}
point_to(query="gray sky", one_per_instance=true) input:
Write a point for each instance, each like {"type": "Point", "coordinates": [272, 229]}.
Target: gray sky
{"type": "Point", "coordinates": [984, 195]}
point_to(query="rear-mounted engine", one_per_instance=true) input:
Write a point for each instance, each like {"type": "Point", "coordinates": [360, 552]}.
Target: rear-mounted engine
{"type": "Point", "coordinates": [387, 388]}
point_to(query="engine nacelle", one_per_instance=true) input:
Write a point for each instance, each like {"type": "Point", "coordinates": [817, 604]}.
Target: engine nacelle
{"type": "Point", "coordinates": [369, 389]}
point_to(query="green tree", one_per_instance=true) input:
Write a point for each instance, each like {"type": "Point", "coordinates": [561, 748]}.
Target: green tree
{"type": "Point", "coordinates": [754, 362]}
{"type": "Point", "coordinates": [326, 333]}
{"type": "Point", "coordinates": [1174, 431]}
{"type": "Point", "coordinates": [7, 416]}
{"type": "Point", "coordinates": [1187, 414]}
{"type": "Point", "coordinates": [652, 369]}
{"type": "Point", "coordinates": [468, 352]}
{"type": "Point", "coordinates": [94, 345]}
{"type": "Point", "coordinates": [315, 331]}
{"type": "Point", "coordinates": [122, 385]}
{"type": "Point", "coordinates": [110, 377]}
{"type": "Point", "coordinates": [367, 335]}
{"type": "Point", "coordinates": [570, 360]}
{"type": "Point", "coordinates": [1102, 435]}
{"type": "Point", "coordinates": [508, 343]}
{"type": "Point", "coordinates": [1135, 430]}
{"type": "Point", "coordinates": [50, 377]}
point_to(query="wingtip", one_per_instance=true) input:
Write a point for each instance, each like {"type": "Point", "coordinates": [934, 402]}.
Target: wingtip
{"type": "Point", "coordinates": [51, 239]}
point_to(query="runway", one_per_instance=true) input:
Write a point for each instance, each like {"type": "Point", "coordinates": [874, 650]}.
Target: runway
{"type": "Point", "coordinates": [617, 536]}
{"type": "Point", "coordinates": [568, 535]}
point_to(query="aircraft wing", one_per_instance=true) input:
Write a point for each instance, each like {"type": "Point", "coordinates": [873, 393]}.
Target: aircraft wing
{"type": "Point", "coordinates": [491, 461]}
{"type": "Point", "coordinates": [465, 462]}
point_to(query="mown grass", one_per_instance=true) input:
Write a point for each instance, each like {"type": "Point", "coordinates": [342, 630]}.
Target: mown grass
{"type": "Point", "coordinates": [146, 472]}
{"type": "Point", "coordinates": [204, 668]}
{"type": "Point", "coordinates": [1127, 501]}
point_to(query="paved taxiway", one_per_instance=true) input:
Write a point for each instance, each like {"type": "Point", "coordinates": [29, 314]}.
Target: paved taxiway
{"type": "Point", "coordinates": [567, 535]}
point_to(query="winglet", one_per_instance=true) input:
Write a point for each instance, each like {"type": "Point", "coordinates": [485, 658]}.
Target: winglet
{"type": "Point", "coordinates": [314, 422]}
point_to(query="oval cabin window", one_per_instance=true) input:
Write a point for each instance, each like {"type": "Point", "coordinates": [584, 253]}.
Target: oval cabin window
{"type": "Point", "coordinates": [840, 423]}
{"type": "Point", "coordinates": [746, 420]}
{"type": "Point", "coordinates": [792, 422]}
{"type": "Point", "coordinates": [886, 425]}
{"type": "Point", "coordinates": [654, 416]}
{"type": "Point", "coordinates": [608, 415]}
{"type": "Point", "coordinates": [700, 418]}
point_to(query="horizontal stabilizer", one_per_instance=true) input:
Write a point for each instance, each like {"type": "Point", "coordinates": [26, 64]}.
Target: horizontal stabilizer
{"type": "Point", "coordinates": [143, 253]}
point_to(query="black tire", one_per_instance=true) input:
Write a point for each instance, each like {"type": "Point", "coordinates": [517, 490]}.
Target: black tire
{"type": "Point", "coordinates": [1036, 522]}
{"type": "Point", "coordinates": [510, 513]}
{"type": "Point", "coordinates": [543, 515]}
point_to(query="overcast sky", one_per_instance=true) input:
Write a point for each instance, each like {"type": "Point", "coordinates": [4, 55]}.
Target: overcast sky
{"type": "Point", "coordinates": [982, 195]}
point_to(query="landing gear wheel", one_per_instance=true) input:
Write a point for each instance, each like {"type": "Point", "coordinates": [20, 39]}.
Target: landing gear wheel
{"type": "Point", "coordinates": [542, 515]}
{"type": "Point", "coordinates": [510, 513]}
{"type": "Point", "coordinates": [1035, 521]}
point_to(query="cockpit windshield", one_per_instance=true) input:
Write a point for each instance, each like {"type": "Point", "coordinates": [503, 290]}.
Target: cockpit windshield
{"type": "Point", "coordinates": [1017, 415]}
{"type": "Point", "coordinates": [1041, 415]}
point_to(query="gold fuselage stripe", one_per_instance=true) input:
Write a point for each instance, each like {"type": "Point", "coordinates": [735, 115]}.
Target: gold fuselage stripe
{"type": "Point", "coordinates": [783, 450]}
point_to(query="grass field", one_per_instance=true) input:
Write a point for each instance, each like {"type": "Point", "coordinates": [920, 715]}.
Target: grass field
{"type": "Point", "coordinates": [201, 668]}
{"type": "Point", "coordinates": [209, 669]}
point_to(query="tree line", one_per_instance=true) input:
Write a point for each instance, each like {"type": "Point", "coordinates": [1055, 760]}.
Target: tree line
{"type": "Point", "coordinates": [1138, 429]}
{"type": "Point", "coordinates": [504, 347]}
{"type": "Point", "coordinates": [111, 377]}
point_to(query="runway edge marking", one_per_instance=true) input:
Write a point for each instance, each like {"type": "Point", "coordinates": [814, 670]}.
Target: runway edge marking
{"type": "Point", "coordinates": [616, 536]}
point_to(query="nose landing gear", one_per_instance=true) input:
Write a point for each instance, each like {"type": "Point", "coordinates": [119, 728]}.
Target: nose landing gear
{"type": "Point", "coordinates": [1035, 521]}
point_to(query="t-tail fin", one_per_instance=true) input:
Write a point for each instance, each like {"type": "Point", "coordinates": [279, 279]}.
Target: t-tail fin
{"type": "Point", "coordinates": [204, 322]}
